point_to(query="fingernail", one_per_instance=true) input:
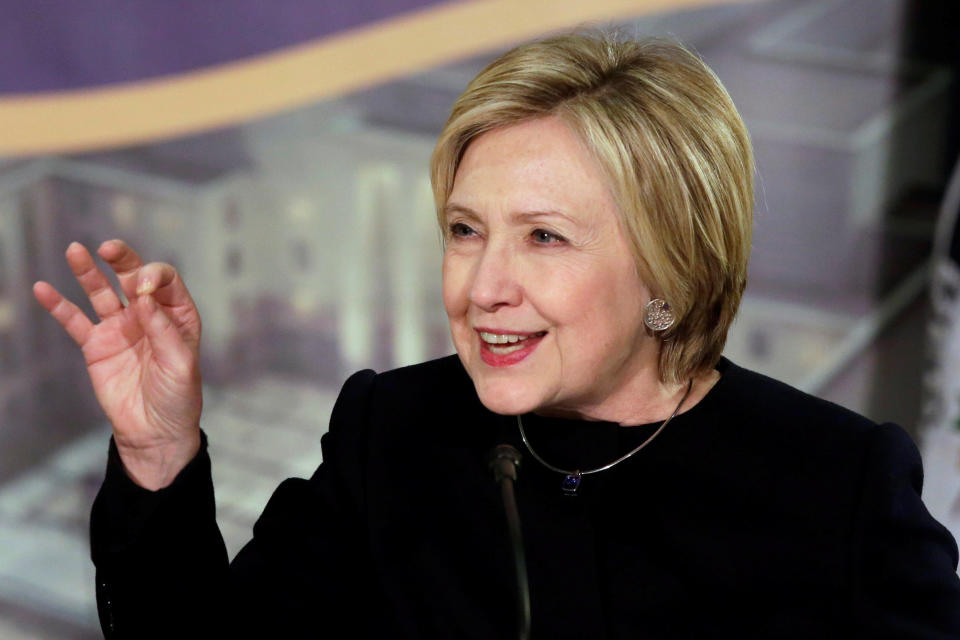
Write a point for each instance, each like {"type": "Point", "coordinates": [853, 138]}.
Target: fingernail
{"type": "Point", "coordinates": [145, 288]}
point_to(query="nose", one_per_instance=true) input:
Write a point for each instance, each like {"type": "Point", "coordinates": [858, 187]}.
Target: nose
{"type": "Point", "coordinates": [496, 280]}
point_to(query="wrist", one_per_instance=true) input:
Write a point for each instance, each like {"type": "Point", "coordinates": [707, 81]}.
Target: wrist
{"type": "Point", "coordinates": [155, 467]}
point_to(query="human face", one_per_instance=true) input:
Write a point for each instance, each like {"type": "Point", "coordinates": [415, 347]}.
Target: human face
{"type": "Point", "coordinates": [536, 255]}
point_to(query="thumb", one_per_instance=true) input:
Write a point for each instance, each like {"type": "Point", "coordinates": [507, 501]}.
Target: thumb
{"type": "Point", "coordinates": [167, 344]}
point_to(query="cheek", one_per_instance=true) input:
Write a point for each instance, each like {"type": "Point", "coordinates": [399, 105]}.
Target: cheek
{"type": "Point", "coordinates": [604, 304]}
{"type": "Point", "coordinates": [454, 287]}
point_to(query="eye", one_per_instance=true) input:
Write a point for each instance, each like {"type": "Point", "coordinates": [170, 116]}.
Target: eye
{"type": "Point", "coordinates": [461, 230]}
{"type": "Point", "coordinates": [542, 236]}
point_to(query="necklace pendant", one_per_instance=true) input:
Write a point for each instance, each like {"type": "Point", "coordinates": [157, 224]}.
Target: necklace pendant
{"type": "Point", "coordinates": [571, 482]}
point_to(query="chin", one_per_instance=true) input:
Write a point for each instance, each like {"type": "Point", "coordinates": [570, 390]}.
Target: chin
{"type": "Point", "coordinates": [504, 398]}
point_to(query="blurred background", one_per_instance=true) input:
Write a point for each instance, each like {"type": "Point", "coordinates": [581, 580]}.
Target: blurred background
{"type": "Point", "coordinates": [276, 153]}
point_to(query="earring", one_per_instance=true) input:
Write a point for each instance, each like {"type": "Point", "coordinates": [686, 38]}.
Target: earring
{"type": "Point", "coordinates": [657, 315]}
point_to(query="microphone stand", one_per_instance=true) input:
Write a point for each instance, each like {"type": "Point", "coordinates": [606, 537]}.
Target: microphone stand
{"type": "Point", "coordinates": [504, 462]}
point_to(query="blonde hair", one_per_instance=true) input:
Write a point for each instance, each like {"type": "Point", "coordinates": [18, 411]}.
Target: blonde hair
{"type": "Point", "coordinates": [674, 148]}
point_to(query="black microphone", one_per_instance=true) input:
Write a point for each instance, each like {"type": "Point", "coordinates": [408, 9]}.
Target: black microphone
{"type": "Point", "coordinates": [504, 461]}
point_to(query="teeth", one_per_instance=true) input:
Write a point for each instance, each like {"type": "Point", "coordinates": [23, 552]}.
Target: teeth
{"type": "Point", "coordinates": [505, 350]}
{"type": "Point", "coordinates": [501, 338]}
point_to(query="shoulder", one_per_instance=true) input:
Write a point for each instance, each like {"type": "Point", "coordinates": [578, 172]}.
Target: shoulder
{"type": "Point", "coordinates": [426, 379]}
{"type": "Point", "coordinates": [826, 458]}
{"type": "Point", "coordinates": [805, 444]}
{"type": "Point", "coordinates": [760, 409]}
{"type": "Point", "coordinates": [421, 396]}
{"type": "Point", "coordinates": [443, 381]}
{"type": "Point", "coordinates": [396, 413]}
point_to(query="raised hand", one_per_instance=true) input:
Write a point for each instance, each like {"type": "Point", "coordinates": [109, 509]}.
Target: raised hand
{"type": "Point", "coordinates": [142, 358]}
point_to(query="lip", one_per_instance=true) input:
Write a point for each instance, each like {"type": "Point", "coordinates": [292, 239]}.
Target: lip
{"type": "Point", "coordinates": [505, 360]}
{"type": "Point", "coordinates": [509, 332]}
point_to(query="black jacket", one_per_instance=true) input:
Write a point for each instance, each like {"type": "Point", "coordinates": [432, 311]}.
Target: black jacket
{"type": "Point", "coordinates": [760, 513]}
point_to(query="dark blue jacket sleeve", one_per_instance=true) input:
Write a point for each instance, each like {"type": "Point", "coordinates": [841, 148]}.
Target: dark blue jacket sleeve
{"type": "Point", "coordinates": [907, 560]}
{"type": "Point", "coordinates": [162, 567]}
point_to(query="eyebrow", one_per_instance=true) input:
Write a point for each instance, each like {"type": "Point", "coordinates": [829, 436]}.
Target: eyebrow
{"type": "Point", "coordinates": [533, 216]}
{"type": "Point", "coordinates": [449, 209]}
{"type": "Point", "coordinates": [522, 216]}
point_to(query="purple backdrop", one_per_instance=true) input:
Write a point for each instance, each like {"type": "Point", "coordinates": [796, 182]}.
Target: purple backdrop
{"type": "Point", "coordinates": [52, 45]}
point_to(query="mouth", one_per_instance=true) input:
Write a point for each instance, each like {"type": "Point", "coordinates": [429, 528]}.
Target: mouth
{"type": "Point", "coordinates": [501, 348]}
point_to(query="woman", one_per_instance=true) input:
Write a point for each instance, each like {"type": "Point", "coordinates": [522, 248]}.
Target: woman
{"type": "Point", "coordinates": [595, 197]}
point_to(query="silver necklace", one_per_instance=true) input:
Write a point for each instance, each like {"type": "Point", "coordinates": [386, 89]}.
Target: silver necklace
{"type": "Point", "coordinates": [571, 479]}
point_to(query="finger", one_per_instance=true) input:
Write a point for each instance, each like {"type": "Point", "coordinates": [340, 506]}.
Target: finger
{"type": "Point", "coordinates": [125, 262]}
{"type": "Point", "coordinates": [163, 281]}
{"type": "Point", "coordinates": [168, 346]}
{"type": "Point", "coordinates": [70, 317]}
{"type": "Point", "coordinates": [94, 283]}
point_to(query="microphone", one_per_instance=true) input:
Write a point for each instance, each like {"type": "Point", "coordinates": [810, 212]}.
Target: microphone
{"type": "Point", "coordinates": [504, 461]}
